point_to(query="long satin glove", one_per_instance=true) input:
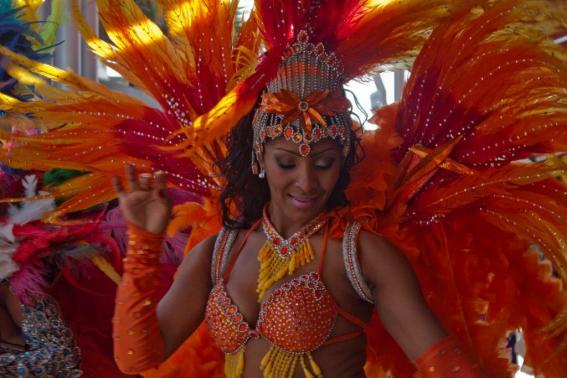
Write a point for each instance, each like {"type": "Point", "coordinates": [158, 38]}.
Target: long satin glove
{"type": "Point", "coordinates": [138, 345]}
{"type": "Point", "coordinates": [446, 359]}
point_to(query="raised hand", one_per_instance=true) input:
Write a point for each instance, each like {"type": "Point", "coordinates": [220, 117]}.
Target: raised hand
{"type": "Point", "coordinates": [146, 205]}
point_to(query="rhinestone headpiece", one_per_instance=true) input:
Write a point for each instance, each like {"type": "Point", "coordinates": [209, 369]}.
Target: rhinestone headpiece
{"type": "Point", "coordinates": [305, 102]}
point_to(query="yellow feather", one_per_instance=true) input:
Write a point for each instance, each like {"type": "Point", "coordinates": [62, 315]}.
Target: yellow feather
{"type": "Point", "coordinates": [41, 87]}
{"type": "Point", "coordinates": [7, 102]}
{"type": "Point", "coordinates": [106, 268]}
{"type": "Point", "coordinates": [49, 28]}
{"type": "Point", "coordinates": [97, 45]}
{"type": "Point", "coordinates": [30, 8]}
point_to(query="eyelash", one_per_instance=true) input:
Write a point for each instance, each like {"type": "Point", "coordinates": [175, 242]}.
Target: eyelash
{"type": "Point", "coordinates": [320, 167]}
{"type": "Point", "coordinates": [286, 166]}
{"type": "Point", "coordinates": [325, 166]}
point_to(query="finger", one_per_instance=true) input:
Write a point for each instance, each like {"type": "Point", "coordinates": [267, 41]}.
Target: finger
{"type": "Point", "coordinates": [160, 180]}
{"type": "Point", "coordinates": [117, 186]}
{"type": "Point", "coordinates": [131, 177]}
{"type": "Point", "coordinates": [145, 181]}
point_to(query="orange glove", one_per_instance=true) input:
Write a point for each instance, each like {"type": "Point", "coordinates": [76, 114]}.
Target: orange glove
{"type": "Point", "coordinates": [446, 359]}
{"type": "Point", "coordinates": [138, 345]}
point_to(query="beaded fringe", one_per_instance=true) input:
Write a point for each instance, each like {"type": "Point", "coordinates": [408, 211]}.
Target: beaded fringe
{"type": "Point", "coordinates": [273, 267]}
{"type": "Point", "coordinates": [278, 363]}
{"type": "Point", "coordinates": [234, 363]}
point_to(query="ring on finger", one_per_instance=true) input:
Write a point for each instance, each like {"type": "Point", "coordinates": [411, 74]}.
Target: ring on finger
{"type": "Point", "coordinates": [145, 178]}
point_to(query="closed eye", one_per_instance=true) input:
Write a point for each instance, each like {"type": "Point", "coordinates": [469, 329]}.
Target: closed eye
{"type": "Point", "coordinates": [285, 164]}
{"type": "Point", "coordinates": [324, 164]}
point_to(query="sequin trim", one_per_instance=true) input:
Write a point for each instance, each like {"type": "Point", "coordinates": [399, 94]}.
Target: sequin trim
{"type": "Point", "coordinates": [287, 247]}
{"type": "Point", "coordinates": [305, 296]}
{"type": "Point", "coordinates": [221, 252]}
{"type": "Point", "coordinates": [352, 265]}
{"type": "Point", "coordinates": [295, 297]}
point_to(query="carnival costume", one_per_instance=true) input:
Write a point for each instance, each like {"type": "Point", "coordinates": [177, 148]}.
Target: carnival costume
{"type": "Point", "coordinates": [57, 276]}
{"type": "Point", "coordinates": [440, 178]}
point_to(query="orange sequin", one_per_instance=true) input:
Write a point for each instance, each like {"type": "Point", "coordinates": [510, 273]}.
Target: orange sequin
{"type": "Point", "coordinates": [297, 317]}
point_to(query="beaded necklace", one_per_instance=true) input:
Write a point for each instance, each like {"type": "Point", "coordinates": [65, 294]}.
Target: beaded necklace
{"type": "Point", "coordinates": [279, 256]}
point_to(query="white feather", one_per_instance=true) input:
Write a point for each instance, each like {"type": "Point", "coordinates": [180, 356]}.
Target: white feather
{"type": "Point", "coordinates": [32, 210]}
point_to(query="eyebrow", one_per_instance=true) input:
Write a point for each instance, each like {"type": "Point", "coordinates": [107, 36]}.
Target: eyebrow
{"type": "Point", "coordinates": [299, 155]}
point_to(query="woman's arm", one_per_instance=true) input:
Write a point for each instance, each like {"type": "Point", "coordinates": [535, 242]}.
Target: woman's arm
{"type": "Point", "coordinates": [182, 309]}
{"type": "Point", "coordinates": [405, 313]}
{"type": "Point", "coordinates": [144, 333]}
{"type": "Point", "coordinates": [10, 317]}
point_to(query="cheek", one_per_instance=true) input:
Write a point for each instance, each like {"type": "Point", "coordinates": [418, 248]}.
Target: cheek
{"type": "Point", "coordinates": [330, 179]}
{"type": "Point", "coordinates": [277, 178]}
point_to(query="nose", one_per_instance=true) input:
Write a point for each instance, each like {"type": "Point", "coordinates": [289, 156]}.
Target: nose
{"type": "Point", "coordinates": [306, 179]}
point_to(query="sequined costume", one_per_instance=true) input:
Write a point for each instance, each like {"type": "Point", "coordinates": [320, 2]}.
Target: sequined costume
{"type": "Point", "coordinates": [441, 178]}
{"type": "Point", "coordinates": [297, 317]}
{"type": "Point", "coordinates": [60, 315]}
{"type": "Point", "coordinates": [50, 346]}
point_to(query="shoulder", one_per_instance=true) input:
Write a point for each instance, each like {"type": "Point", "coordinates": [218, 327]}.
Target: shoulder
{"type": "Point", "coordinates": [201, 254]}
{"type": "Point", "coordinates": [207, 243]}
{"type": "Point", "coordinates": [380, 260]}
{"type": "Point", "coordinates": [371, 242]}
{"type": "Point", "coordinates": [204, 246]}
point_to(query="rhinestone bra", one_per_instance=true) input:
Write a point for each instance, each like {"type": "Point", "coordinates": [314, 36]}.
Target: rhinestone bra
{"type": "Point", "coordinates": [298, 316]}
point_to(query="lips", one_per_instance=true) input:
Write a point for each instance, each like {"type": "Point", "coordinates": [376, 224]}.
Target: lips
{"type": "Point", "coordinates": [303, 202]}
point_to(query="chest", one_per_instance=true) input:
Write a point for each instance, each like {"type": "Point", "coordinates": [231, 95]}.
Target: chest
{"type": "Point", "coordinates": [242, 282]}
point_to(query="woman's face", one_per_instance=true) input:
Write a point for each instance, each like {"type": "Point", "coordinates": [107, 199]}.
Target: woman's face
{"type": "Point", "coordinates": [301, 186]}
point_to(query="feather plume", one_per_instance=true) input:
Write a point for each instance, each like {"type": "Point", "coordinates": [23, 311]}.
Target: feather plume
{"type": "Point", "coordinates": [32, 210]}
{"type": "Point", "coordinates": [487, 89]}
{"type": "Point", "coordinates": [185, 79]}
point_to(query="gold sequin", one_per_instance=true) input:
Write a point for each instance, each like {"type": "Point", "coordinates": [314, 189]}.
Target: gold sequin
{"type": "Point", "coordinates": [130, 352]}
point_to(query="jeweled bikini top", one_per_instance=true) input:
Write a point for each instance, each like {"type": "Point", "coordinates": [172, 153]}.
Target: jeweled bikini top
{"type": "Point", "coordinates": [297, 317]}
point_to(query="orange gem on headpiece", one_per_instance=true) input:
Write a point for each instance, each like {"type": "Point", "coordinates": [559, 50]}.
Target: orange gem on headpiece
{"type": "Point", "coordinates": [304, 100]}
{"type": "Point", "coordinates": [304, 149]}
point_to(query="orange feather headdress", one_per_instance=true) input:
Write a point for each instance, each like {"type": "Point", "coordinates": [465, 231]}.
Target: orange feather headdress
{"type": "Point", "coordinates": [205, 80]}
{"type": "Point", "coordinates": [440, 179]}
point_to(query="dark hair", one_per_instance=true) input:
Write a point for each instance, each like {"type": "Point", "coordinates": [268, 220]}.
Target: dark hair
{"type": "Point", "coordinates": [245, 194]}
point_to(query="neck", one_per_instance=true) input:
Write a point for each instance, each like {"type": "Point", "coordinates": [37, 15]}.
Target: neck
{"type": "Point", "coordinates": [283, 224]}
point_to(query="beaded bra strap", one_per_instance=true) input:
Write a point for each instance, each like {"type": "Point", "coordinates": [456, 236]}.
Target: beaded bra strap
{"type": "Point", "coordinates": [352, 265]}
{"type": "Point", "coordinates": [221, 252]}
